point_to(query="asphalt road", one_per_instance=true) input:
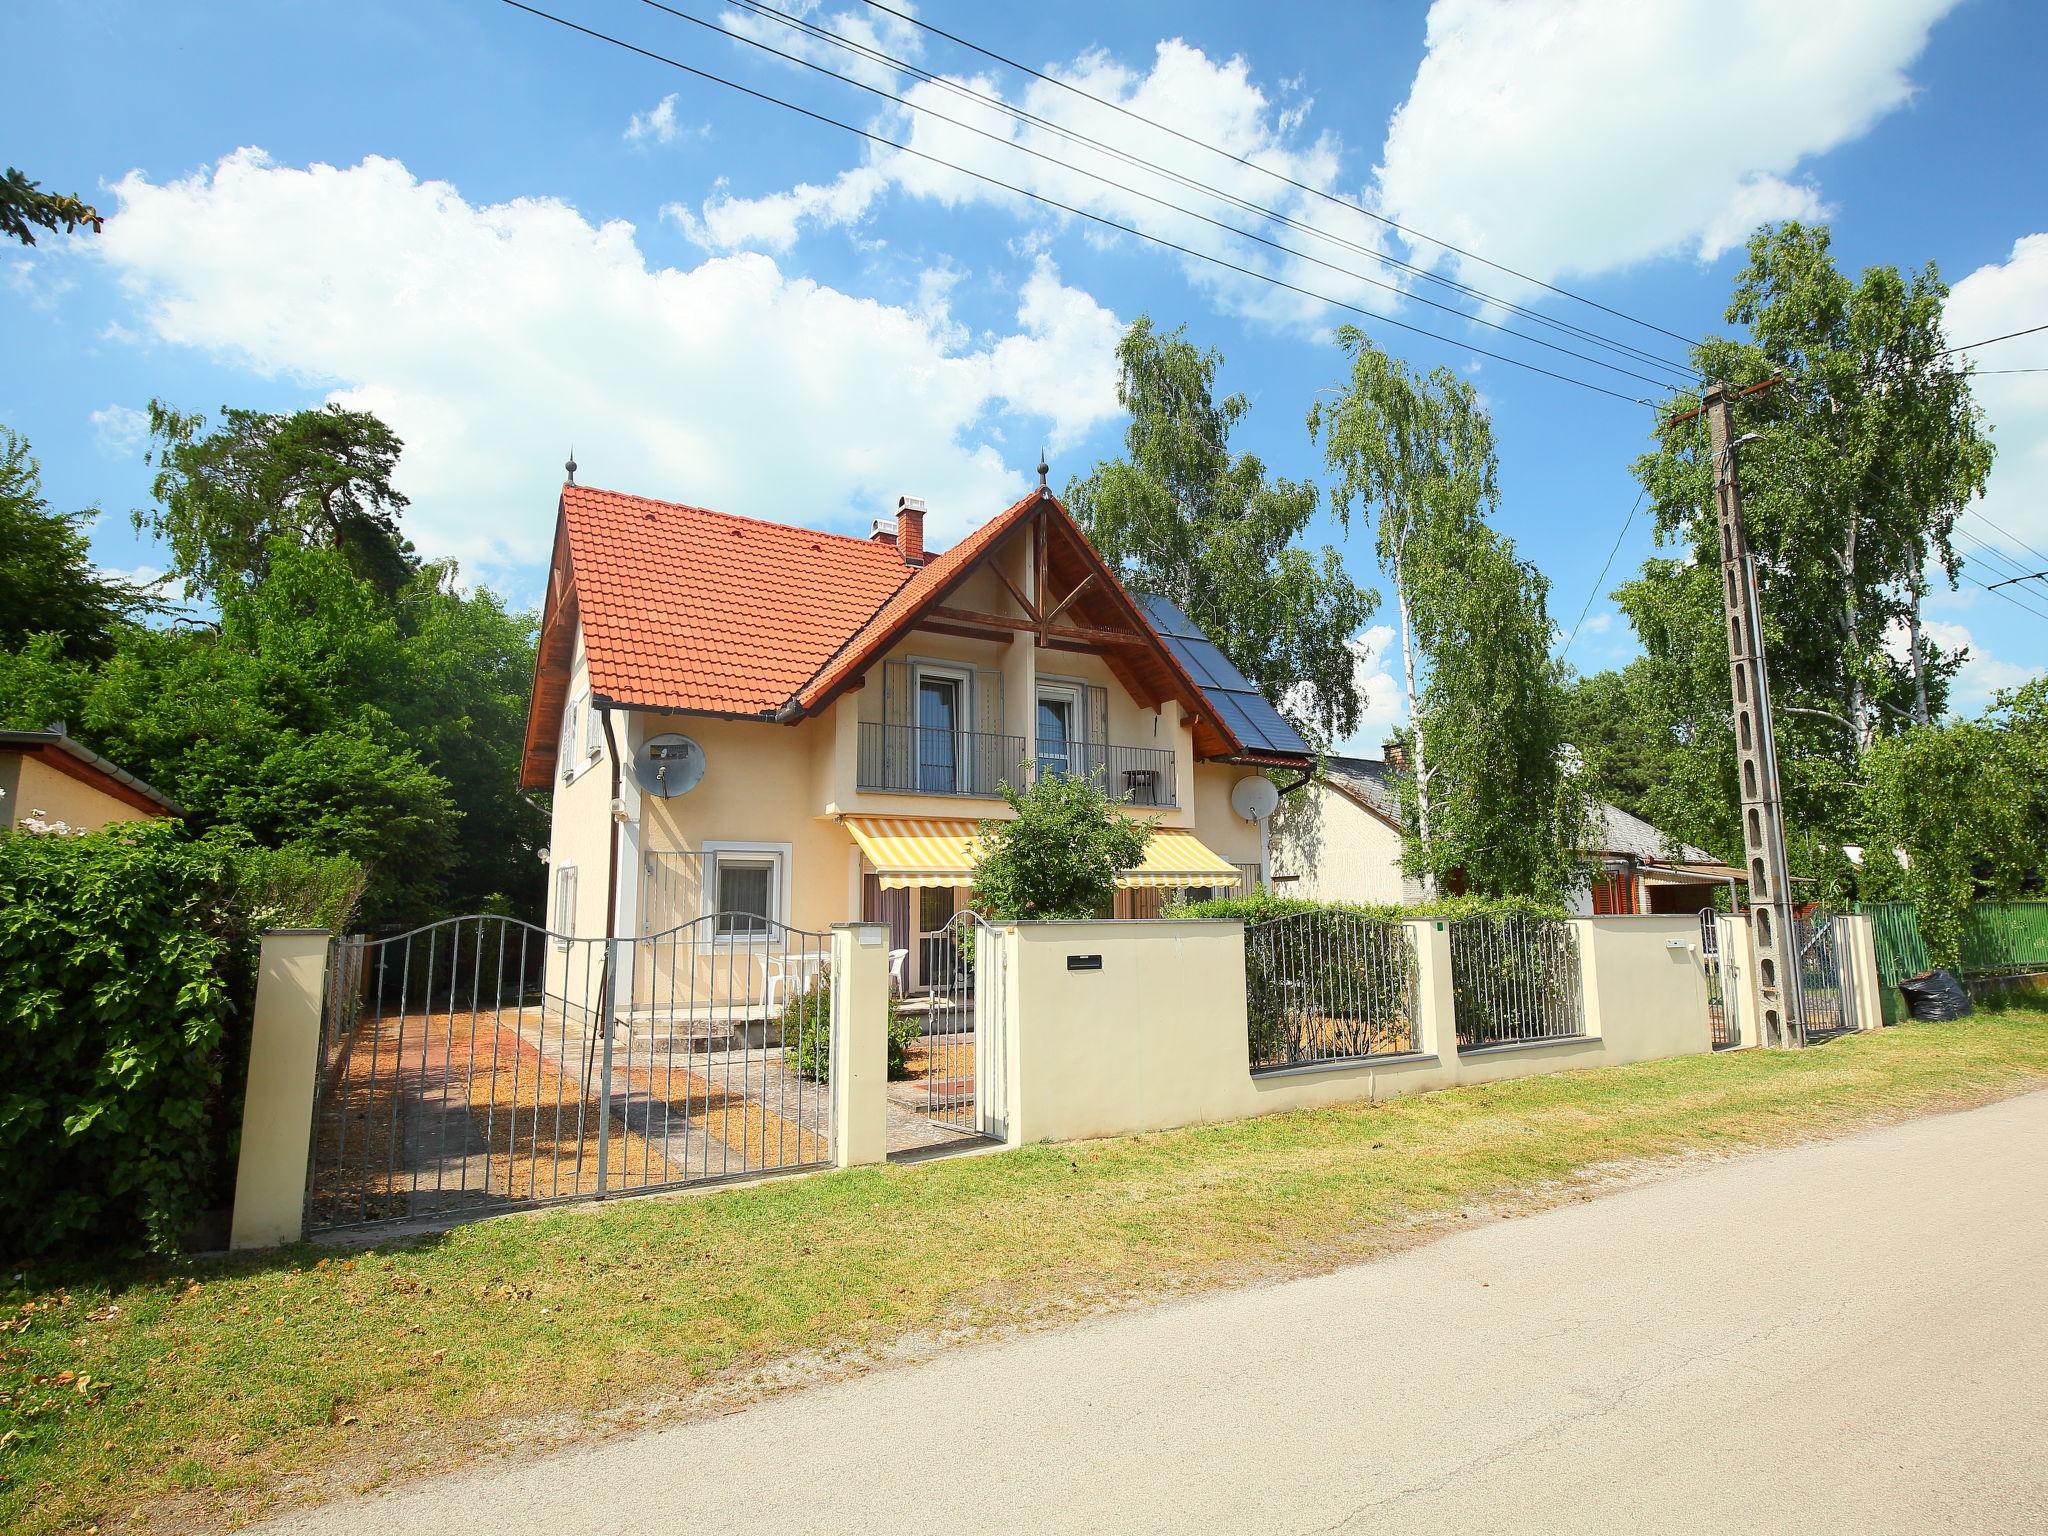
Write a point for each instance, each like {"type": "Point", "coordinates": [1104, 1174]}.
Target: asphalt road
{"type": "Point", "coordinates": [1841, 1337]}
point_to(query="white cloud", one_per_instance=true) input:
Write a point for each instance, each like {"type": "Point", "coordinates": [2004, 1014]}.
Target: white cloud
{"type": "Point", "coordinates": [1381, 705]}
{"type": "Point", "coordinates": [135, 575]}
{"type": "Point", "coordinates": [1585, 135]}
{"type": "Point", "coordinates": [1213, 101]}
{"type": "Point", "coordinates": [1993, 300]}
{"type": "Point", "coordinates": [1599, 623]}
{"type": "Point", "coordinates": [493, 337]}
{"type": "Point", "coordinates": [659, 124]}
{"type": "Point", "coordinates": [118, 430]}
{"type": "Point", "coordinates": [1981, 676]}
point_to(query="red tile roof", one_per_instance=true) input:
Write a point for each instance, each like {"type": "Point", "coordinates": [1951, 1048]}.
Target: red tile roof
{"type": "Point", "coordinates": [924, 587]}
{"type": "Point", "coordinates": [688, 609]}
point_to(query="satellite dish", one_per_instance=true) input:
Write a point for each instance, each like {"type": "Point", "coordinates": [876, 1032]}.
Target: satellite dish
{"type": "Point", "coordinates": [1254, 797]}
{"type": "Point", "coordinates": [666, 766]}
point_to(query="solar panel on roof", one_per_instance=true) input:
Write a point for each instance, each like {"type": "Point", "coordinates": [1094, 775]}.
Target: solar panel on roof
{"type": "Point", "coordinates": [1249, 714]}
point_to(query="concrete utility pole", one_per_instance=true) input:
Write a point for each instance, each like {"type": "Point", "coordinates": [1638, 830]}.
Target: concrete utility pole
{"type": "Point", "coordinates": [1781, 1003]}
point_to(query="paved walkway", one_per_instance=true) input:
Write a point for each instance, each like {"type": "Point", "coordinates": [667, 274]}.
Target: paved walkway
{"type": "Point", "coordinates": [1846, 1337]}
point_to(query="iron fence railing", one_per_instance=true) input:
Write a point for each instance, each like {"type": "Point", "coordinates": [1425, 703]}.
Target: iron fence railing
{"type": "Point", "coordinates": [915, 759]}
{"type": "Point", "coordinates": [1328, 986]}
{"type": "Point", "coordinates": [1135, 775]}
{"type": "Point", "coordinates": [481, 1063]}
{"type": "Point", "coordinates": [2005, 938]}
{"type": "Point", "coordinates": [1515, 979]}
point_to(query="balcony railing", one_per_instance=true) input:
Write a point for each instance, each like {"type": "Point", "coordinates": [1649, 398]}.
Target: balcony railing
{"type": "Point", "coordinates": [1134, 775]}
{"type": "Point", "coordinates": [918, 760]}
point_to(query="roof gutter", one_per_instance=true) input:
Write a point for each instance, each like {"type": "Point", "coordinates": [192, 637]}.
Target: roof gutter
{"type": "Point", "coordinates": [64, 743]}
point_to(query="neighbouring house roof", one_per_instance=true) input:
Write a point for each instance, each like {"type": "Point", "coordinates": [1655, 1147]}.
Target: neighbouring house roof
{"type": "Point", "coordinates": [53, 744]}
{"type": "Point", "coordinates": [687, 610]}
{"type": "Point", "coordinates": [1370, 782]}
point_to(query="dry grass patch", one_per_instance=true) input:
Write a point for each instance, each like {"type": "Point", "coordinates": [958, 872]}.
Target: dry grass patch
{"type": "Point", "coordinates": [199, 1394]}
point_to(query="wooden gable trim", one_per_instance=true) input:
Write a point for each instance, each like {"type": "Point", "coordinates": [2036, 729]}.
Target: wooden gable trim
{"type": "Point", "coordinates": [554, 658]}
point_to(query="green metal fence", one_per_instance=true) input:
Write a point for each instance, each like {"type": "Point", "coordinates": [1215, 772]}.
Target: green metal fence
{"type": "Point", "coordinates": [2005, 938]}
{"type": "Point", "coordinates": [1900, 952]}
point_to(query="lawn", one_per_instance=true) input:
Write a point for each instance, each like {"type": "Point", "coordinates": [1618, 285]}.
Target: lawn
{"type": "Point", "coordinates": [202, 1393]}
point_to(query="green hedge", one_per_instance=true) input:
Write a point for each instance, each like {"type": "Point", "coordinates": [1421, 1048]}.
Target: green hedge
{"type": "Point", "coordinates": [129, 960]}
{"type": "Point", "coordinates": [807, 1034]}
{"type": "Point", "coordinates": [1264, 907]}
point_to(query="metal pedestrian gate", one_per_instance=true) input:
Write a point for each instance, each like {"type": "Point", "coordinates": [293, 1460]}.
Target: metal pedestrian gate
{"type": "Point", "coordinates": [1828, 981]}
{"type": "Point", "coordinates": [480, 1064]}
{"type": "Point", "coordinates": [1718, 949]}
{"type": "Point", "coordinates": [955, 1061]}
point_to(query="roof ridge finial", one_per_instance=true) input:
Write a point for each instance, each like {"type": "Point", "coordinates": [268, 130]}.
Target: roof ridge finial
{"type": "Point", "coordinates": [570, 466]}
{"type": "Point", "coordinates": [1042, 467]}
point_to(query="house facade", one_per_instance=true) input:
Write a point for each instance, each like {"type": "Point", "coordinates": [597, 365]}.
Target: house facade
{"type": "Point", "coordinates": [1341, 841]}
{"type": "Point", "coordinates": [759, 723]}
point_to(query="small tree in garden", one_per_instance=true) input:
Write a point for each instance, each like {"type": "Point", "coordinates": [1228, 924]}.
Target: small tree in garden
{"type": "Point", "coordinates": [1060, 858]}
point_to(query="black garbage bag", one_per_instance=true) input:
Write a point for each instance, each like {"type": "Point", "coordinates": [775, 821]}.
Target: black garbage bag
{"type": "Point", "coordinates": [1935, 996]}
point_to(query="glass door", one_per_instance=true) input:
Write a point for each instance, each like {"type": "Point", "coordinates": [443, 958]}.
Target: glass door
{"type": "Point", "coordinates": [1055, 733]}
{"type": "Point", "coordinates": [938, 735]}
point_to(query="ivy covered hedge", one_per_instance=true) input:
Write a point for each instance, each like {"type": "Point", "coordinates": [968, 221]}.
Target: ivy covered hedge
{"type": "Point", "coordinates": [129, 963]}
{"type": "Point", "coordinates": [1264, 907]}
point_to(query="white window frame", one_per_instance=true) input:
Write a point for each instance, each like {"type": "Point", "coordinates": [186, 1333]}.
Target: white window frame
{"type": "Point", "coordinates": [961, 675]}
{"type": "Point", "coordinates": [777, 854]}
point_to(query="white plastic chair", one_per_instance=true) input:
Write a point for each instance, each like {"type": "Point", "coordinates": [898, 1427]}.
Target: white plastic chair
{"type": "Point", "coordinates": [791, 974]}
{"type": "Point", "coordinates": [899, 961]}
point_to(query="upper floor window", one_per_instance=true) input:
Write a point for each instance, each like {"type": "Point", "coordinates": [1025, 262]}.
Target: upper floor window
{"type": "Point", "coordinates": [941, 719]}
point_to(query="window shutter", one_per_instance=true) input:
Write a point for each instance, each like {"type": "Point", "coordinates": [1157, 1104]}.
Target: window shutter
{"type": "Point", "coordinates": [565, 902]}
{"type": "Point", "coordinates": [899, 714]}
{"type": "Point", "coordinates": [593, 733]}
{"type": "Point", "coordinates": [1096, 758]}
{"type": "Point", "coordinates": [992, 753]}
{"type": "Point", "coordinates": [565, 752]}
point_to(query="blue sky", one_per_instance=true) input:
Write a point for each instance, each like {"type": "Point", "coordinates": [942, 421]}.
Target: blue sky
{"type": "Point", "coordinates": [507, 239]}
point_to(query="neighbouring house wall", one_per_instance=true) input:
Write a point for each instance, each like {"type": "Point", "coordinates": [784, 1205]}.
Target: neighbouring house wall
{"type": "Point", "coordinates": [32, 784]}
{"type": "Point", "coordinates": [1156, 1038]}
{"type": "Point", "coordinates": [1340, 852]}
{"type": "Point", "coordinates": [579, 837]}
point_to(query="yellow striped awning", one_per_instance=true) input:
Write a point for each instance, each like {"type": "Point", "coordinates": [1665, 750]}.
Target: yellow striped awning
{"type": "Point", "coordinates": [916, 850]}
{"type": "Point", "coordinates": [929, 850]}
{"type": "Point", "coordinates": [1177, 858]}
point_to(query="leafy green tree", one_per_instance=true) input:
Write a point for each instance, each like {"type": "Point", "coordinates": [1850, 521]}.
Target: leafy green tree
{"type": "Point", "coordinates": [1061, 856]}
{"type": "Point", "coordinates": [317, 478]}
{"type": "Point", "coordinates": [48, 583]}
{"type": "Point", "coordinates": [1861, 462]}
{"type": "Point", "coordinates": [1182, 516]}
{"type": "Point", "coordinates": [26, 208]}
{"type": "Point", "coordinates": [1489, 802]}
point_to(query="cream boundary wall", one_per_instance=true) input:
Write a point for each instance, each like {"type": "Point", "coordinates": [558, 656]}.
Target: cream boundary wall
{"type": "Point", "coordinates": [33, 785]}
{"type": "Point", "coordinates": [1339, 851]}
{"type": "Point", "coordinates": [1155, 1039]}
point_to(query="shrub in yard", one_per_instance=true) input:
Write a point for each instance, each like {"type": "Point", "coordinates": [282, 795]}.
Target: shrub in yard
{"type": "Point", "coordinates": [128, 956]}
{"type": "Point", "coordinates": [807, 1034]}
{"type": "Point", "coordinates": [1061, 856]}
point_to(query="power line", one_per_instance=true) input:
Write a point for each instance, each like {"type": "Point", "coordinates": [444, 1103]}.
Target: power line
{"type": "Point", "coordinates": [2011, 580]}
{"type": "Point", "coordinates": [1329, 197]}
{"type": "Point", "coordinates": [1995, 559]}
{"type": "Point", "coordinates": [2024, 607]}
{"type": "Point", "coordinates": [2008, 336]}
{"type": "Point", "coordinates": [1023, 115]}
{"type": "Point", "coordinates": [1125, 187]}
{"type": "Point", "coordinates": [1053, 202]}
{"type": "Point", "coordinates": [2002, 530]}
{"type": "Point", "coordinates": [1601, 580]}
{"type": "Point", "coordinates": [1992, 373]}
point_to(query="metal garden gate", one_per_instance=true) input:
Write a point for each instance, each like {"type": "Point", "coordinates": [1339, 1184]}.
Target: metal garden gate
{"type": "Point", "coordinates": [481, 1063]}
{"type": "Point", "coordinates": [1724, 990]}
{"type": "Point", "coordinates": [1515, 979]}
{"type": "Point", "coordinates": [1825, 977]}
{"type": "Point", "coordinates": [956, 1063]}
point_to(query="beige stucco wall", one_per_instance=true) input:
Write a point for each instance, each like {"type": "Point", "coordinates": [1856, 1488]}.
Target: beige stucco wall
{"type": "Point", "coordinates": [33, 785]}
{"type": "Point", "coordinates": [1339, 851]}
{"type": "Point", "coordinates": [1155, 1038]}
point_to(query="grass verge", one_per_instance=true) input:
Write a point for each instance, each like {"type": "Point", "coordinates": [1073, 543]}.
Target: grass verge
{"type": "Point", "coordinates": [198, 1394]}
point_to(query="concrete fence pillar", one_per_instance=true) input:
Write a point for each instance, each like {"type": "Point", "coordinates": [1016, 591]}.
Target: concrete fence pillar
{"type": "Point", "coordinates": [277, 1102]}
{"type": "Point", "coordinates": [1593, 1000]}
{"type": "Point", "coordinates": [1858, 948]}
{"type": "Point", "coordinates": [860, 1043]}
{"type": "Point", "coordinates": [1436, 1003]}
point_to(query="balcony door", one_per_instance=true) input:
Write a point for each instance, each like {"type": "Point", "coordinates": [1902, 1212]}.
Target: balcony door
{"type": "Point", "coordinates": [1059, 728]}
{"type": "Point", "coordinates": [941, 731]}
